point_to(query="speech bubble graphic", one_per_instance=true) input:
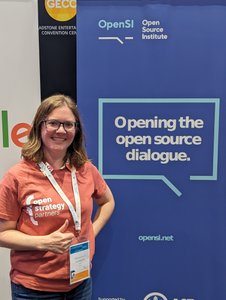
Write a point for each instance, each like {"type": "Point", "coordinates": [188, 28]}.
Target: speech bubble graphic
{"type": "Point", "coordinates": [161, 133]}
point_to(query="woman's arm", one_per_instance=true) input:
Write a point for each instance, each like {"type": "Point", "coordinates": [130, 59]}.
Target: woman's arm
{"type": "Point", "coordinates": [105, 209]}
{"type": "Point", "coordinates": [57, 242]}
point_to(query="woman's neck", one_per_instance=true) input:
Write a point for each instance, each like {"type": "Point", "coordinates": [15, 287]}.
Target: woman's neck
{"type": "Point", "coordinates": [56, 161]}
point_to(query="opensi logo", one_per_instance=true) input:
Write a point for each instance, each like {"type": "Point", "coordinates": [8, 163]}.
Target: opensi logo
{"type": "Point", "coordinates": [61, 10]}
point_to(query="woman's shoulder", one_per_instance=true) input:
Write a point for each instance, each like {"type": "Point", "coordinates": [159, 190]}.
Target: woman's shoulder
{"type": "Point", "coordinates": [87, 167]}
{"type": "Point", "coordinates": [21, 167]}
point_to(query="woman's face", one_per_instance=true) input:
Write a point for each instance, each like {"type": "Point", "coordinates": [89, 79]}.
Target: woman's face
{"type": "Point", "coordinates": [56, 140]}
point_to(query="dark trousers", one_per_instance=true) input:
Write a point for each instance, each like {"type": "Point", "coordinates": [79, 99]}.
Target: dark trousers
{"type": "Point", "coordinates": [81, 292]}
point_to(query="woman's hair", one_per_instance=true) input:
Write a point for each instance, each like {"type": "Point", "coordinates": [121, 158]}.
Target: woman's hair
{"type": "Point", "coordinates": [32, 149]}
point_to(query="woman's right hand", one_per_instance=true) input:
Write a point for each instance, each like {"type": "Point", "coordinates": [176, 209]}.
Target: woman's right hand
{"type": "Point", "coordinates": [58, 241]}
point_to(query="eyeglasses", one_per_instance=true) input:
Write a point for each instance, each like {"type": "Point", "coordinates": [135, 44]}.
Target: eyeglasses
{"type": "Point", "coordinates": [55, 125]}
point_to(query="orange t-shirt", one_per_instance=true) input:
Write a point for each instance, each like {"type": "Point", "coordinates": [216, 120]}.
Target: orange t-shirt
{"type": "Point", "coordinates": [27, 196]}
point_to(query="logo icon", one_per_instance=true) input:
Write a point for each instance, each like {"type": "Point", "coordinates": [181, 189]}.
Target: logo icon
{"type": "Point", "coordinates": [155, 296]}
{"type": "Point", "coordinates": [29, 209]}
{"type": "Point", "coordinates": [108, 26]}
{"type": "Point", "coordinates": [61, 10]}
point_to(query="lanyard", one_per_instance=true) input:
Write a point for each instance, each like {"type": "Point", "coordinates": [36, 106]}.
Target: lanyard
{"type": "Point", "coordinates": [76, 215]}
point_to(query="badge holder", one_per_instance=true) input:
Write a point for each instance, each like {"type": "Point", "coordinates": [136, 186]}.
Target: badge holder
{"type": "Point", "coordinates": [79, 262]}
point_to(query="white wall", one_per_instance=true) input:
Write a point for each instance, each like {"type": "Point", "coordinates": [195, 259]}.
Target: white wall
{"type": "Point", "coordinates": [19, 87]}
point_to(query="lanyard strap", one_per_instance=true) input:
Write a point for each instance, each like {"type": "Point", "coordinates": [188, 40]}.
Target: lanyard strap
{"type": "Point", "coordinates": [76, 215]}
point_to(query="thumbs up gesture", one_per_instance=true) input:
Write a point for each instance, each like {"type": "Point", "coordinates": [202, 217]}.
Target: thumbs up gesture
{"type": "Point", "coordinates": [59, 241]}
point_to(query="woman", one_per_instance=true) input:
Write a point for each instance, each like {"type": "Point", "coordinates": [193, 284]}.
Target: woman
{"type": "Point", "coordinates": [46, 207]}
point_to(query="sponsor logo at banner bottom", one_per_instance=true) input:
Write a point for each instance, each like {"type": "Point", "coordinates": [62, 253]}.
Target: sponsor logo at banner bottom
{"type": "Point", "coordinates": [155, 296]}
{"type": "Point", "coordinates": [160, 296]}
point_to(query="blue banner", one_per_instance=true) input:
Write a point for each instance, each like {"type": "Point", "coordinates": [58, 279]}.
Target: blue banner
{"type": "Point", "coordinates": [151, 79]}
